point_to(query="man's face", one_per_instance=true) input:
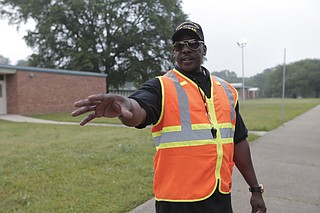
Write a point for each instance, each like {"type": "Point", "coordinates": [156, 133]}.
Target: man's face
{"type": "Point", "coordinates": [188, 59]}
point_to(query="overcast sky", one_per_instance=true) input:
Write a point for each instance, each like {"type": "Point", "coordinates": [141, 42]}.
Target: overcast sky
{"type": "Point", "coordinates": [269, 26]}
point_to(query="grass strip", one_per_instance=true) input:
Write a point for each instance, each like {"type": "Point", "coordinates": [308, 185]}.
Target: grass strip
{"type": "Point", "coordinates": [53, 168]}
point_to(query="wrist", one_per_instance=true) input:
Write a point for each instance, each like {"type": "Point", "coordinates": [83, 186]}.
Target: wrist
{"type": "Point", "coordinates": [257, 189]}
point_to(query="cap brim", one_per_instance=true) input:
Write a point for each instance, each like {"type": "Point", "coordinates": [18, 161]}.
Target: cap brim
{"type": "Point", "coordinates": [183, 32]}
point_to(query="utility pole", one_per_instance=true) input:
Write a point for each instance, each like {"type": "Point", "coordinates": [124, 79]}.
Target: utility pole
{"type": "Point", "coordinates": [283, 83]}
{"type": "Point", "coordinates": [242, 44]}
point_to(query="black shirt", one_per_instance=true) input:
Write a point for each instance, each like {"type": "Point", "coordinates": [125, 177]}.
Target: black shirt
{"type": "Point", "coordinates": [149, 97]}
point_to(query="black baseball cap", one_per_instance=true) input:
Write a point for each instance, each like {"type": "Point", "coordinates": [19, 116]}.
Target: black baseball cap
{"type": "Point", "coordinates": [188, 27]}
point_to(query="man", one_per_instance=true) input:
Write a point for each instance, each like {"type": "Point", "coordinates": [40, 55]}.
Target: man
{"type": "Point", "coordinates": [198, 131]}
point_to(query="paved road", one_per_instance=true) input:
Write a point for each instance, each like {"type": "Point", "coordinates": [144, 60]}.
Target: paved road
{"type": "Point", "coordinates": [287, 162]}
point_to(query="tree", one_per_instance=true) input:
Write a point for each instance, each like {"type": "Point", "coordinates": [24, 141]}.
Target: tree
{"type": "Point", "coordinates": [114, 36]}
{"type": "Point", "coordinates": [307, 74]}
{"type": "Point", "coordinates": [273, 82]}
{"type": "Point", "coordinates": [302, 79]}
{"type": "Point", "coordinates": [22, 62]}
{"type": "Point", "coordinates": [227, 75]}
{"type": "Point", "coordinates": [4, 60]}
{"type": "Point", "coordinates": [259, 80]}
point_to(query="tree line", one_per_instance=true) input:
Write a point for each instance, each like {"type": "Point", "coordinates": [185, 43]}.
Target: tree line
{"type": "Point", "coordinates": [302, 79]}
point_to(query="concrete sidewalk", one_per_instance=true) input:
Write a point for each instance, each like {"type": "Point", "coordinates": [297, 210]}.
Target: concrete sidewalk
{"type": "Point", "coordinates": [287, 162]}
{"type": "Point", "coordinates": [25, 119]}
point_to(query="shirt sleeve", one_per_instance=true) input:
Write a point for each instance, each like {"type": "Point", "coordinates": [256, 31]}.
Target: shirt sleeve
{"type": "Point", "coordinates": [241, 131]}
{"type": "Point", "coordinates": [149, 98]}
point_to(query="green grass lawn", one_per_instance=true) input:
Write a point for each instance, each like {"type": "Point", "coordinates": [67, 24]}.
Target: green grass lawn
{"type": "Point", "coordinates": [53, 168]}
{"type": "Point", "coordinates": [63, 168]}
{"type": "Point", "coordinates": [266, 114]}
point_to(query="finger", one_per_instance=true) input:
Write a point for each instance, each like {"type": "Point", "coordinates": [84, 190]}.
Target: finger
{"type": "Point", "coordinates": [85, 102]}
{"type": "Point", "coordinates": [102, 98]}
{"type": "Point", "coordinates": [262, 210]}
{"type": "Point", "coordinates": [87, 119]}
{"type": "Point", "coordinates": [257, 210]}
{"type": "Point", "coordinates": [99, 98]}
{"type": "Point", "coordinates": [92, 99]}
{"type": "Point", "coordinates": [80, 103]}
{"type": "Point", "coordinates": [83, 110]}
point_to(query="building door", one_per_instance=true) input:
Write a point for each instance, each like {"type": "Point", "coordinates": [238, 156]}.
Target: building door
{"type": "Point", "coordinates": [3, 97]}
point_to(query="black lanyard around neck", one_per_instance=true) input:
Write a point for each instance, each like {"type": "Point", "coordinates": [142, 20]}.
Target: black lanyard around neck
{"type": "Point", "coordinates": [203, 96]}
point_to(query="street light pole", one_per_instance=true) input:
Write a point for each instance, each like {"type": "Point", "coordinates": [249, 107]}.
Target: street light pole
{"type": "Point", "coordinates": [242, 44]}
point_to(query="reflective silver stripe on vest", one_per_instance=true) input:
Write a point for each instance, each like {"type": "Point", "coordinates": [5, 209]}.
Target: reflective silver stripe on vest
{"type": "Point", "coordinates": [192, 135]}
{"type": "Point", "coordinates": [186, 133]}
{"type": "Point", "coordinates": [226, 132]}
{"type": "Point", "coordinates": [183, 104]}
{"type": "Point", "coordinates": [230, 97]}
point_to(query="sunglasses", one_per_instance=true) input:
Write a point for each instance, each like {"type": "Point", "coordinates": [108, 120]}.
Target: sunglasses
{"type": "Point", "coordinates": [191, 44]}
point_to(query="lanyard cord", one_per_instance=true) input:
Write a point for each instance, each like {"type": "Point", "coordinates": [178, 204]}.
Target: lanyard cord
{"type": "Point", "coordinates": [213, 130]}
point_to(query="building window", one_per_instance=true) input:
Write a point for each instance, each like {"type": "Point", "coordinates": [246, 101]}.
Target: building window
{"type": "Point", "coordinates": [1, 77]}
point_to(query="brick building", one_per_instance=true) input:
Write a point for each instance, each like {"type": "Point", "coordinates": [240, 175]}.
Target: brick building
{"type": "Point", "coordinates": [249, 92]}
{"type": "Point", "coordinates": [30, 90]}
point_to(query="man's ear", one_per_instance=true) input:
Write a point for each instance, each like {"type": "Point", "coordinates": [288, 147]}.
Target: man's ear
{"type": "Point", "coordinates": [204, 50]}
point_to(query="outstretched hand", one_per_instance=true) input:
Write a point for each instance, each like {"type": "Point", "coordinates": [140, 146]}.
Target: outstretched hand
{"type": "Point", "coordinates": [103, 105]}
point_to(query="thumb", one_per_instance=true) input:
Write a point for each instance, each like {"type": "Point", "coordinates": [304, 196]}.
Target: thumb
{"type": "Point", "coordinates": [126, 113]}
{"type": "Point", "coordinates": [126, 109]}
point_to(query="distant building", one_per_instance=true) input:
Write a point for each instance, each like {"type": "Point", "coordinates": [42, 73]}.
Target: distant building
{"type": "Point", "coordinates": [250, 92]}
{"type": "Point", "coordinates": [31, 90]}
{"type": "Point", "coordinates": [253, 93]}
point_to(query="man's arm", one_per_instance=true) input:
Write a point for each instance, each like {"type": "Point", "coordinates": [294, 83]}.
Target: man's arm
{"type": "Point", "coordinates": [243, 161]}
{"type": "Point", "coordinates": [109, 105]}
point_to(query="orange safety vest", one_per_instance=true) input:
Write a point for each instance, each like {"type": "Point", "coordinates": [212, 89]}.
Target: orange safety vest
{"type": "Point", "coordinates": [189, 162]}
